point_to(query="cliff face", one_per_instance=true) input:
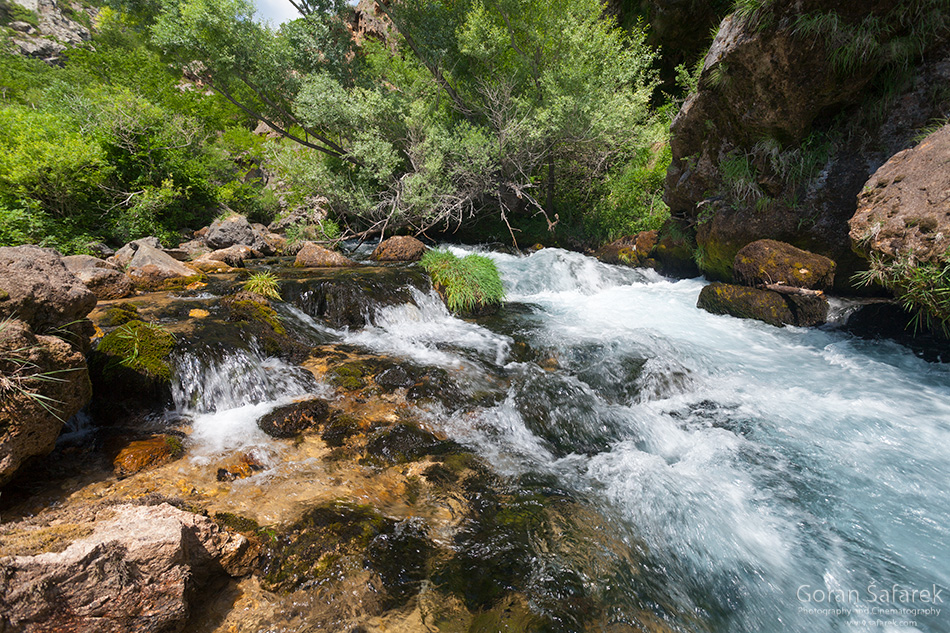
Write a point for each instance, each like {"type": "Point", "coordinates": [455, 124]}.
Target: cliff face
{"type": "Point", "coordinates": [798, 104]}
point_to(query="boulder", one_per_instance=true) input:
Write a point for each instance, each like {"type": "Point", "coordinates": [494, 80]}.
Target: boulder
{"type": "Point", "coordinates": [100, 276]}
{"type": "Point", "coordinates": [313, 256]}
{"type": "Point", "coordinates": [140, 570]}
{"type": "Point", "coordinates": [233, 255]}
{"type": "Point", "coordinates": [235, 229]}
{"type": "Point", "coordinates": [75, 263]}
{"type": "Point", "coordinates": [770, 262]}
{"type": "Point", "coordinates": [151, 268]}
{"type": "Point", "coordinates": [763, 305]}
{"type": "Point", "coordinates": [903, 208]}
{"type": "Point", "coordinates": [631, 250]}
{"type": "Point", "coordinates": [293, 419]}
{"type": "Point", "coordinates": [123, 256]}
{"type": "Point", "coordinates": [43, 382]}
{"type": "Point", "coordinates": [36, 287]}
{"type": "Point", "coordinates": [207, 264]}
{"type": "Point", "coordinates": [401, 248]}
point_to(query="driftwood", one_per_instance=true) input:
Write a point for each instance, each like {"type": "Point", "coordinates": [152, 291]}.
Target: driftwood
{"type": "Point", "coordinates": [792, 290]}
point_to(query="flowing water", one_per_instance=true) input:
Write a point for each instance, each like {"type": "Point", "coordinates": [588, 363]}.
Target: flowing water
{"type": "Point", "coordinates": [735, 476]}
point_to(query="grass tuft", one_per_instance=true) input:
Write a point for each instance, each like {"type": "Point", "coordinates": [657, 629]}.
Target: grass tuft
{"type": "Point", "coordinates": [264, 284]}
{"type": "Point", "coordinates": [468, 283]}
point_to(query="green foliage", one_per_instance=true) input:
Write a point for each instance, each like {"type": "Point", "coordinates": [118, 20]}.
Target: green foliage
{"type": "Point", "coordinates": [139, 346]}
{"type": "Point", "coordinates": [740, 177]}
{"type": "Point", "coordinates": [922, 288]}
{"type": "Point", "coordinates": [264, 283]}
{"type": "Point", "coordinates": [325, 230]}
{"type": "Point", "coordinates": [14, 12]}
{"type": "Point", "coordinates": [468, 283]}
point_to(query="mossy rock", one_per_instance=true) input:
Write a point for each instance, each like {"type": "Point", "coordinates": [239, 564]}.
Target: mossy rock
{"type": "Point", "coordinates": [262, 323]}
{"type": "Point", "coordinates": [139, 346]}
{"type": "Point", "coordinates": [763, 305]}
{"type": "Point", "coordinates": [405, 442]}
{"type": "Point", "coordinates": [182, 283]}
{"type": "Point", "coordinates": [292, 419]}
{"type": "Point", "coordinates": [339, 429]}
{"type": "Point", "coordinates": [237, 522]}
{"type": "Point", "coordinates": [4, 295]}
{"type": "Point", "coordinates": [246, 309]}
{"type": "Point", "coordinates": [769, 261]}
{"type": "Point", "coordinates": [121, 313]}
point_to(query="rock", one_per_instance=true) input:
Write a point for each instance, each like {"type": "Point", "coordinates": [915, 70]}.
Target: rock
{"type": "Point", "coordinates": [206, 264]}
{"type": "Point", "coordinates": [233, 230]}
{"type": "Point", "coordinates": [39, 48]}
{"type": "Point", "coordinates": [903, 208]}
{"type": "Point", "coordinates": [312, 211]}
{"type": "Point", "coordinates": [43, 382]}
{"type": "Point", "coordinates": [243, 467]}
{"type": "Point", "coordinates": [100, 276]}
{"type": "Point", "coordinates": [75, 263]}
{"type": "Point", "coordinates": [313, 256]}
{"type": "Point", "coordinates": [233, 255]}
{"type": "Point", "coordinates": [151, 269]}
{"type": "Point", "coordinates": [401, 248]}
{"type": "Point", "coordinates": [765, 148]}
{"type": "Point", "coordinates": [139, 570]}
{"type": "Point", "coordinates": [195, 248]}
{"type": "Point", "coordinates": [631, 250]}
{"type": "Point", "coordinates": [763, 305]}
{"type": "Point", "coordinates": [39, 290]}
{"type": "Point", "coordinates": [99, 249]}
{"type": "Point", "coordinates": [21, 26]}
{"type": "Point", "coordinates": [771, 262]}
{"type": "Point", "coordinates": [673, 253]}
{"type": "Point", "coordinates": [123, 256]}
{"type": "Point", "coordinates": [146, 454]}
{"type": "Point", "coordinates": [293, 419]}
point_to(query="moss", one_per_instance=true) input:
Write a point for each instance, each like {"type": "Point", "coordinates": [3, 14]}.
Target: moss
{"type": "Point", "coordinates": [175, 446]}
{"type": "Point", "coordinates": [139, 346]}
{"type": "Point", "coordinates": [247, 310]}
{"type": "Point", "coordinates": [237, 522]}
{"type": "Point", "coordinates": [181, 283]}
{"type": "Point", "coordinates": [4, 295]}
{"type": "Point", "coordinates": [349, 376]}
{"type": "Point", "coordinates": [339, 429]}
{"type": "Point", "coordinates": [121, 313]}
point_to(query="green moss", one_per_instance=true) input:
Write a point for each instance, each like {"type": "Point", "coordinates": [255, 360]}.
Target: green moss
{"type": "Point", "coordinates": [180, 283]}
{"type": "Point", "coordinates": [121, 313]}
{"type": "Point", "coordinates": [4, 295]}
{"type": "Point", "coordinates": [469, 284]}
{"type": "Point", "coordinates": [247, 310]}
{"type": "Point", "coordinates": [175, 446]}
{"type": "Point", "coordinates": [350, 375]}
{"type": "Point", "coordinates": [237, 522]}
{"type": "Point", "coordinates": [139, 346]}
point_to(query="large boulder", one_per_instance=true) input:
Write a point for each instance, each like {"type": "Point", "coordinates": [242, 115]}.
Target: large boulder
{"type": "Point", "coordinates": [765, 262]}
{"type": "Point", "coordinates": [103, 278]}
{"type": "Point", "coordinates": [903, 209]}
{"type": "Point", "coordinates": [315, 256]}
{"type": "Point", "coordinates": [766, 147]}
{"type": "Point", "coordinates": [36, 287]}
{"type": "Point", "coordinates": [151, 269]}
{"type": "Point", "coordinates": [235, 229]}
{"type": "Point", "coordinates": [123, 256]}
{"type": "Point", "coordinates": [763, 305]}
{"type": "Point", "coordinates": [234, 256]}
{"type": "Point", "coordinates": [401, 248]}
{"type": "Point", "coordinates": [140, 570]}
{"type": "Point", "coordinates": [43, 382]}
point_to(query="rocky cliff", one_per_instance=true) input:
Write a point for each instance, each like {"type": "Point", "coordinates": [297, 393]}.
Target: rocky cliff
{"type": "Point", "coordinates": [798, 103]}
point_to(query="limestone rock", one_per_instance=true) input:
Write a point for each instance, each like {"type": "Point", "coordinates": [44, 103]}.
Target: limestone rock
{"type": "Point", "coordinates": [236, 230]}
{"type": "Point", "coordinates": [43, 382]}
{"type": "Point", "coordinates": [771, 262]}
{"type": "Point", "coordinates": [150, 268]}
{"type": "Point", "coordinates": [905, 206]}
{"type": "Point", "coordinates": [36, 287]}
{"type": "Point", "coordinates": [313, 256]}
{"type": "Point", "coordinates": [763, 305]}
{"type": "Point", "coordinates": [138, 571]}
{"type": "Point", "coordinates": [401, 248]}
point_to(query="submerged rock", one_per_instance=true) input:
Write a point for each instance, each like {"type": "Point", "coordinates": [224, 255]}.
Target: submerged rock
{"type": "Point", "coordinates": [147, 454]}
{"type": "Point", "coordinates": [293, 419]}
{"type": "Point", "coordinates": [139, 570]}
{"type": "Point", "coordinates": [401, 248]}
{"type": "Point", "coordinates": [763, 305]}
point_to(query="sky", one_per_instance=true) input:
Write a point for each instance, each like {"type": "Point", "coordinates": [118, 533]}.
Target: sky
{"type": "Point", "coordinates": [278, 11]}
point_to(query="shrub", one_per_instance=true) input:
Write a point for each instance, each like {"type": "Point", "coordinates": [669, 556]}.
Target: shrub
{"type": "Point", "coordinates": [467, 284]}
{"type": "Point", "coordinates": [922, 288]}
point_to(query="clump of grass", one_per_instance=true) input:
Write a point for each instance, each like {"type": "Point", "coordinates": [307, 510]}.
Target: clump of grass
{"type": "Point", "coordinates": [21, 376]}
{"type": "Point", "coordinates": [264, 284]}
{"type": "Point", "coordinates": [467, 283]}
{"type": "Point", "coordinates": [922, 288]}
{"type": "Point", "coordinates": [141, 347]}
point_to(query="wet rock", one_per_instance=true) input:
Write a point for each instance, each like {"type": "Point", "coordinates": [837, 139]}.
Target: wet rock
{"type": "Point", "coordinates": [902, 209]}
{"type": "Point", "coordinates": [147, 454]}
{"type": "Point", "coordinates": [152, 269]}
{"type": "Point", "coordinates": [260, 323]}
{"type": "Point", "coordinates": [293, 419]}
{"type": "Point", "coordinates": [405, 442]}
{"type": "Point", "coordinates": [37, 288]}
{"type": "Point", "coordinates": [43, 382]}
{"type": "Point", "coordinates": [140, 570]}
{"type": "Point", "coordinates": [121, 313]}
{"type": "Point", "coordinates": [399, 557]}
{"type": "Point", "coordinates": [400, 248]}
{"type": "Point", "coordinates": [631, 250]}
{"type": "Point", "coordinates": [236, 230]}
{"type": "Point", "coordinates": [339, 429]}
{"type": "Point", "coordinates": [770, 262]}
{"type": "Point", "coordinates": [312, 255]}
{"type": "Point", "coordinates": [348, 297]}
{"type": "Point", "coordinates": [763, 305]}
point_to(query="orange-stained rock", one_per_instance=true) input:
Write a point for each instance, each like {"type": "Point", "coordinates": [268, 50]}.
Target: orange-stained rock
{"type": "Point", "coordinates": [401, 248]}
{"type": "Point", "coordinates": [314, 256]}
{"type": "Point", "coordinates": [144, 454]}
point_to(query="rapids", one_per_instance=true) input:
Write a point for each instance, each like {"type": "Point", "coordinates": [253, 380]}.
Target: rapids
{"type": "Point", "coordinates": [741, 477]}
